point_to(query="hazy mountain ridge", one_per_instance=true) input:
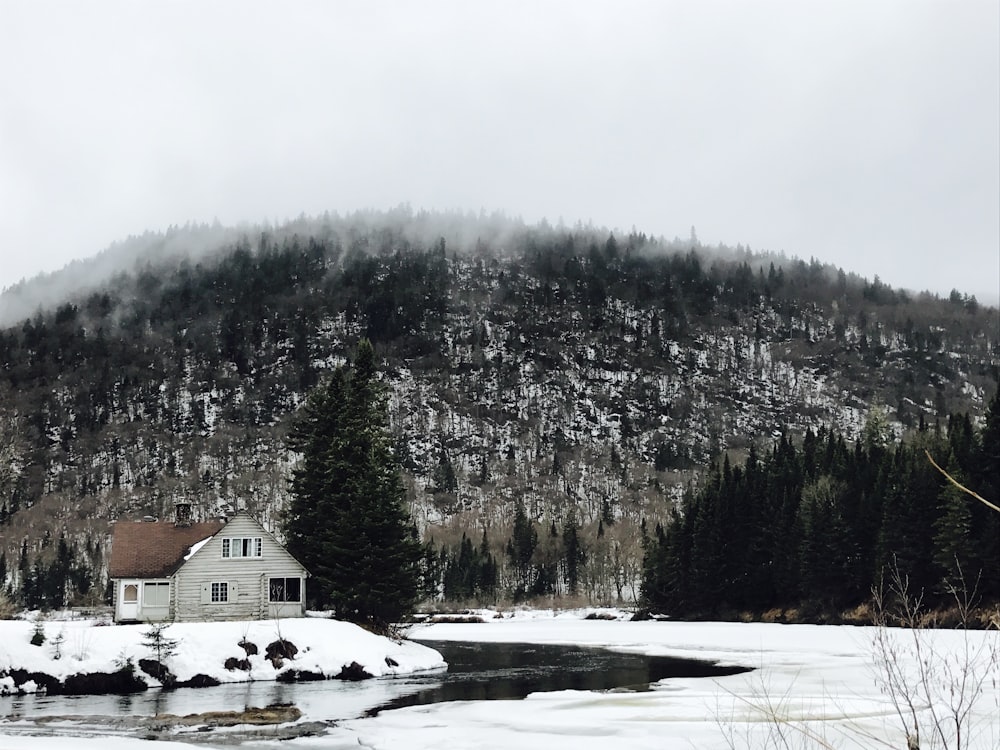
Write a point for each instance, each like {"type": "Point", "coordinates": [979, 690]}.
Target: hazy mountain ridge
{"type": "Point", "coordinates": [564, 367]}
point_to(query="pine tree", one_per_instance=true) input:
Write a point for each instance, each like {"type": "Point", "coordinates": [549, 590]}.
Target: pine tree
{"type": "Point", "coordinates": [488, 577]}
{"type": "Point", "coordinates": [157, 641]}
{"type": "Point", "coordinates": [953, 551]}
{"type": "Point", "coordinates": [573, 553]}
{"type": "Point", "coordinates": [316, 434]}
{"type": "Point", "coordinates": [986, 481]}
{"type": "Point", "coordinates": [444, 473]}
{"type": "Point", "coordinates": [521, 549]}
{"type": "Point", "coordinates": [347, 522]}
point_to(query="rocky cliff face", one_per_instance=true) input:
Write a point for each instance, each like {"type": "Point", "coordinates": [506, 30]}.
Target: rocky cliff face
{"type": "Point", "coordinates": [563, 368]}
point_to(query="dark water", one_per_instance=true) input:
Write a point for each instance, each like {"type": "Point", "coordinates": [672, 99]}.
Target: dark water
{"type": "Point", "coordinates": [476, 671]}
{"type": "Point", "coordinates": [505, 671]}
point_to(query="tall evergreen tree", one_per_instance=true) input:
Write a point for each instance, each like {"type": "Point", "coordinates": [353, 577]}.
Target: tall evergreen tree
{"type": "Point", "coordinates": [347, 522]}
{"type": "Point", "coordinates": [521, 549]}
{"type": "Point", "coordinates": [985, 480]}
{"type": "Point", "coordinates": [953, 551]}
{"type": "Point", "coordinates": [574, 555]}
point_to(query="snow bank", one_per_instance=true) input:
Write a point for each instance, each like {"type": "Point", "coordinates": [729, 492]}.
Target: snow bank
{"type": "Point", "coordinates": [820, 681]}
{"type": "Point", "coordinates": [324, 646]}
{"type": "Point", "coordinates": [728, 643]}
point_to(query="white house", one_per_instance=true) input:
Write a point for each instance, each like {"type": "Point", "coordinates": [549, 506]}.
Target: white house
{"type": "Point", "coordinates": [213, 570]}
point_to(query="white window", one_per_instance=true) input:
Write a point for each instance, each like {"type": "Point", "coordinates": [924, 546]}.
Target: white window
{"type": "Point", "coordinates": [156, 594]}
{"type": "Point", "coordinates": [220, 591]}
{"type": "Point", "coordinates": [242, 546]}
{"type": "Point", "coordinates": [284, 590]}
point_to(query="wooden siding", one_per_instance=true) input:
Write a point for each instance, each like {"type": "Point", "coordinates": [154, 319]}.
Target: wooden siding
{"type": "Point", "coordinates": [247, 578]}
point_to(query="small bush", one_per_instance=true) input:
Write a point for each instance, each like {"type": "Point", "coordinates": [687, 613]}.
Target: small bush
{"type": "Point", "coordinates": [232, 663]}
{"type": "Point", "coordinates": [124, 662]}
{"type": "Point", "coordinates": [81, 645]}
{"type": "Point", "coordinates": [57, 644]}
{"type": "Point", "coordinates": [38, 634]}
{"type": "Point", "coordinates": [353, 672]}
{"type": "Point", "coordinates": [282, 648]}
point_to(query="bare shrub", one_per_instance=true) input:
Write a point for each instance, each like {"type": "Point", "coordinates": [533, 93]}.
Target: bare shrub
{"type": "Point", "coordinates": [81, 645]}
{"type": "Point", "coordinates": [933, 679]}
{"type": "Point", "coordinates": [766, 720]}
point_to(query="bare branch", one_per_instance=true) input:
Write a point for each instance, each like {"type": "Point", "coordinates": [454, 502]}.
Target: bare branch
{"type": "Point", "coordinates": [960, 486]}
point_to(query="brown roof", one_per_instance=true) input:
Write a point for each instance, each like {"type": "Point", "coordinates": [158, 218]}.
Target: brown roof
{"type": "Point", "coordinates": [154, 549]}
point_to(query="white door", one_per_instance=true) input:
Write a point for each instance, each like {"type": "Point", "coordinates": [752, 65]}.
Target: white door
{"type": "Point", "coordinates": [128, 600]}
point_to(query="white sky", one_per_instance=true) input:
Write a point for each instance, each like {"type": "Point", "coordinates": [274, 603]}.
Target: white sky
{"type": "Point", "coordinates": [866, 134]}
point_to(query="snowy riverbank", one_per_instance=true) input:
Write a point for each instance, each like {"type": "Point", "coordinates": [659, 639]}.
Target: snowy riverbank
{"type": "Point", "coordinates": [818, 686]}
{"type": "Point", "coordinates": [819, 681]}
{"type": "Point", "coordinates": [322, 648]}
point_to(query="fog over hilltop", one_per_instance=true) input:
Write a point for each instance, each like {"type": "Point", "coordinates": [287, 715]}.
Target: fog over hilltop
{"type": "Point", "coordinates": [195, 243]}
{"type": "Point", "coordinates": [866, 136]}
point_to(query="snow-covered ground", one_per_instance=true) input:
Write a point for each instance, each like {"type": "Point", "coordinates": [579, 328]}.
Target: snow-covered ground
{"type": "Point", "coordinates": [324, 646]}
{"type": "Point", "coordinates": [821, 681]}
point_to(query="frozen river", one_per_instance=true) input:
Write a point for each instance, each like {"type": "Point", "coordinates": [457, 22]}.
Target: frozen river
{"type": "Point", "coordinates": [819, 682]}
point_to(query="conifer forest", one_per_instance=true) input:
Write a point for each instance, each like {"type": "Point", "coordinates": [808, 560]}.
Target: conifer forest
{"type": "Point", "coordinates": [568, 414]}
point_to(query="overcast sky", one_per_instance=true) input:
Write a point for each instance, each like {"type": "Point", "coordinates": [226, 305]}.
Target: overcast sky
{"type": "Point", "coordinates": [865, 134]}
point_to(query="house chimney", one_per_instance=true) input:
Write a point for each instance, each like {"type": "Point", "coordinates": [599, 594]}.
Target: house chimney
{"type": "Point", "coordinates": [182, 514]}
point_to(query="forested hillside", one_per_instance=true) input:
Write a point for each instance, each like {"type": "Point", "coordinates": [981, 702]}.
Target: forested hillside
{"type": "Point", "coordinates": [552, 388]}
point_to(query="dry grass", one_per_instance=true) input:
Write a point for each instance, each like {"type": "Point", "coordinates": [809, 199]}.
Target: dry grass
{"type": "Point", "coordinates": [780, 615]}
{"type": "Point", "coordinates": [863, 614]}
{"type": "Point", "coordinates": [455, 618]}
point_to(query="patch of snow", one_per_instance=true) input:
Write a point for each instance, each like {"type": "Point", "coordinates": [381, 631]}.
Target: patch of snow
{"type": "Point", "coordinates": [324, 646]}
{"type": "Point", "coordinates": [196, 546]}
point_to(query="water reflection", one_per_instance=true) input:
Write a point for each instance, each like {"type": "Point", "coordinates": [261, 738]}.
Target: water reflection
{"type": "Point", "coordinates": [504, 671]}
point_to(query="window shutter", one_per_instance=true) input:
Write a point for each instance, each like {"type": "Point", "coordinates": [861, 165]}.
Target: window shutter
{"type": "Point", "coordinates": [234, 589]}
{"type": "Point", "coordinates": [206, 593]}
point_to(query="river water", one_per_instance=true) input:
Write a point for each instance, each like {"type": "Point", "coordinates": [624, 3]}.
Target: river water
{"type": "Point", "coordinates": [476, 671]}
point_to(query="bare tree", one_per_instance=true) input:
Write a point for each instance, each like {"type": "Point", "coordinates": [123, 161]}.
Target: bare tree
{"type": "Point", "coordinates": [933, 680]}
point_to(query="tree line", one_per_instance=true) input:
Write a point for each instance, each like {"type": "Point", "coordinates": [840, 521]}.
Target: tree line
{"type": "Point", "coordinates": [60, 581]}
{"type": "Point", "coordinates": [814, 525]}
{"type": "Point", "coordinates": [528, 565]}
